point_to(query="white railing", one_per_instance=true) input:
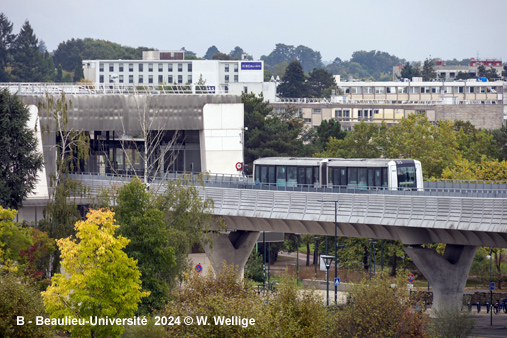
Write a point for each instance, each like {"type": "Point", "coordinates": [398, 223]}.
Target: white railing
{"type": "Point", "coordinates": [110, 88]}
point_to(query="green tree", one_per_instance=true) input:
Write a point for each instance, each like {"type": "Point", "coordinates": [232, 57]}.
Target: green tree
{"type": "Point", "coordinates": [293, 81]}
{"type": "Point", "coordinates": [20, 161]}
{"type": "Point", "coordinates": [491, 74]}
{"type": "Point", "coordinates": [210, 52]}
{"type": "Point", "coordinates": [144, 225]}
{"type": "Point", "coordinates": [59, 73]}
{"type": "Point", "coordinates": [26, 63]}
{"type": "Point", "coordinates": [270, 135]}
{"type": "Point", "coordinates": [376, 62]}
{"type": "Point", "coordinates": [360, 319]}
{"type": "Point", "coordinates": [409, 71]}
{"type": "Point", "coordinates": [481, 71]}
{"type": "Point", "coordinates": [6, 39]}
{"type": "Point", "coordinates": [18, 297]}
{"type": "Point", "coordinates": [309, 58]}
{"type": "Point", "coordinates": [13, 239]}
{"type": "Point", "coordinates": [238, 52]}
{"type": "Point", "coordinates": [100, 279]}
{"type": "Point", "coordinates": [72, 150]}
{"type": "Point", "coordinates": [78, 70]}
{"type": "Point", "coordinates": [221, 56]}
{"type": "Point", "coordinates": [47, 68]}
{"type": "Point", "coordinates": [463, 76]}
{"type": "Point", "coordinates": [428, 72]}
{"type": "Point", "coordinates": [319, 80]}
{"type": "Point", "coordinates": [326, 130]}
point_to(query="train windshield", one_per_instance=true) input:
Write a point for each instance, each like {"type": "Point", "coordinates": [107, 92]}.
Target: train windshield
{"type": "Point", "coordinates": [406, 176]}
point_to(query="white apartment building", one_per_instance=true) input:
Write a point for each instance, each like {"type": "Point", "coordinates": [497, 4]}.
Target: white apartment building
{"type": "Point", "coordinates": [169, 67]}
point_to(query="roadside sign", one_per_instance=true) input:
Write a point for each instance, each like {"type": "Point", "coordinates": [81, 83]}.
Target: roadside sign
{"type": "Point", "coordinates": [198, 268]}
{"type": "Point", "coordinates": [337, 281]}
{"type": "Point", "coordinates": [492, 286]}
{"type": "Point", "coordinates": [411, 277]}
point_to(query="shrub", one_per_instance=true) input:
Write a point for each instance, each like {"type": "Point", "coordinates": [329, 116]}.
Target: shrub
{"type": "Point", "coordinates": [377, 310]}
{"type": "Point", "coordinates": [452, 322]}
{"type": "Point", "coordinates": [17, 298]}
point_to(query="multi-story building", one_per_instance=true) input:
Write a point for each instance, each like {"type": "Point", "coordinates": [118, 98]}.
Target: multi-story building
{"type": "Point", "coordinates": [170, 67]}
{"type": "Point", "coordinates": [449, 73]}
{"type": "Point", "coordinates": [481, 103]}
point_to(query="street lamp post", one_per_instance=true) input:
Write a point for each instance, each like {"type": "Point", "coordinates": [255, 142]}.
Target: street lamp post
{"type": "Point", "coordinates": [297, 259]}
{"type": "Point", "coordinates": [327, 261]}
{"type": "Point", "coordinates": [316, 255]}
{"type": "Point", "coordinates": [369, 256]}
{"type": "Point", "coordinates": [490, 257]}
{"type": "Point", "coordinates": [374, 257]}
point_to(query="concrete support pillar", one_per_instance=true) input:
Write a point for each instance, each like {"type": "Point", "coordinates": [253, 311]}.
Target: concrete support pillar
{"type": "Point", "coordinates": [234, 248]}
{"type": "Point", "coordinates": [447, 274]}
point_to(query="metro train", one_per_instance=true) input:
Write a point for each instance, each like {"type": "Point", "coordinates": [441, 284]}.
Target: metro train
{"type": "Point", "coordinates": [352, 173]}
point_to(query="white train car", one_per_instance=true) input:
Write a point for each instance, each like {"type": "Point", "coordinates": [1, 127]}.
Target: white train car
{"type": "Point", "coordinates": [393, 174]}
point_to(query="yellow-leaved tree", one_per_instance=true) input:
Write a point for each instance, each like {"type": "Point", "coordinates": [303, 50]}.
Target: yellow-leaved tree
{"type": "Point", "coordinates": [98, 278]}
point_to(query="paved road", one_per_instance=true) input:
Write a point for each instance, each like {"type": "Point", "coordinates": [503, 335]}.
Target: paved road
{"type": "Point", "coordinates": [483, 327]}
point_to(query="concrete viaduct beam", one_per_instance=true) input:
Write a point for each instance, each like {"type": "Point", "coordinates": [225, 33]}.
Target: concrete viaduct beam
{"type": "Point", "coordinates": [232, 249]}
{"type": "Point", "coordinates": [447, 274]}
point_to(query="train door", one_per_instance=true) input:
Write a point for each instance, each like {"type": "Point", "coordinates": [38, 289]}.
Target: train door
{"type": "Point", "coordinates": [323, 174]}
{"type": "Point", "coordinates": [392, 176]}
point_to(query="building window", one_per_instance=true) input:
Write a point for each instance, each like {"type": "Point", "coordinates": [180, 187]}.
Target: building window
{"type": "Point", "coordinates": [317, 111]}
{"type": "Point", "coordinates": [190, 79]}
{"type": "Point", "coordinates": [150, 67]}
{"type": "Point", "coordinates": [452, 75]}
{"type": "Point", "coordinates": [120, 79]}
{"type": "Point", "coordinates": [160, 78]}
{"type": "Point", "coordinates": [368, 90]}
{"type": "Point", "coordinates": [189, 67]}
{"type": "Point", "coordinates": [169, 67]}
{"type": "Point", "coordinates": [140, 79]}
{"type": "Point", "coordinates": [346, 112]}
{"type": "Point", "coordinates": [101, 78]}
{"type": "Point", "coordinates": [169, 79]}
{"type": "Point", "coordinates": [111, 67]}
{"type": "Point", "coordinates": [226, 78]}
{"type": "Point", "coordinates": [425, 90]}
{"type": "Point", "coordinates": [414, 90]}
{"type": "Point", "coordinates": [236, 78]}
{"type": "Point", "coordinates": [160, 67]}
{"type": "Point", "coordinates": [180, 78]}
{"type": "Point", "coordinates": [402, 90]}
{"type": "Point", "coordinates": [308, 120]}
{"type": "Point", "coordinates": [447, 90]}
{"type": "Point", "coordinates": [227, 68]}
{"type": "Point", "coordinates": [180, 67]}
{"type": "Point", "coordinates": [459, 90]}
{"type": "Point", "coordinates": [101, 67]}
{"type": "Point", "coordinates": [131, 67]}
{"type": "Point", "coordinates": [379, 90]}
{"type": "Point", "coordinates": [376, 111]}
{"type": "Point", "coordinates": [150, 79]}
{"type": "Point", "coordinates": [359, 113]}
{"type": "Point", "coordinates": [140, 67]}
{"type": "Point", "coordinates": [356, 90]}
{"type": "Point", "coordinates": [470, 90]}
{"type": "Point", "coordinates": [337, 113]}
{"type": "Point", "coordinates": [235, 68]}
{"type": "Point", "coordinates": [481, 89]}
{"type": "Point", "coordinates": [121, 67]}
{"type": "Point", "coordinates": [435, 90]}
{"type": "Point", "coordinates": [131, 78]}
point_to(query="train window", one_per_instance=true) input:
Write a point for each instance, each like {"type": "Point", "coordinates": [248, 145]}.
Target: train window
{"type": "Point", "coordinates": [257, 174]}
{"type": "Point", "coordinates": [378, 177]}
{"type": "Point", "coordinates": [309, 175]}
{"type": "Point", "coordinates": [371, 177]}
{"type": "Point", "coordinates": [384, 177]}
{"type": "Point", "coordinates": [292, 178]}
{"type": "Point", "coordinates": [343, 176]}
{"type": "Point", "coordinates": [281, 176]}
{"type": "Point", "coordinates": [264, 174]}
{"type": "Point", "coordinates": [271, 174]}
{"type": "Point", "coordinates": [301, 175]}
{"type": "Point", "coordinates": [362, 173]}
{"type": "Point", "coordinates": [406, 177]}
{"type": "Point", "coordinates": [352, 176]}
{"type": "Point", "coordinates": [316, 176]}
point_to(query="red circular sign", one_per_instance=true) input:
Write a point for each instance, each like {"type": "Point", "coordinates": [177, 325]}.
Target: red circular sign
{"type": "Point", "coordinates": [411, 277]}
{"type": "Point", "coordinates": [198, 268]}
{"type": "Point", "coordinates": [239, 166]}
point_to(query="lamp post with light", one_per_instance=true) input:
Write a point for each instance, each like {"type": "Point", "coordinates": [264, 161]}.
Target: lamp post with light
{"type": "Point", "coordinates": [327, 261]}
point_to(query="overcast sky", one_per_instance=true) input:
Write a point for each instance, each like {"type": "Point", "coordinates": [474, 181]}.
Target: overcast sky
{"type": "Point", "coordinates": [410, 29]}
